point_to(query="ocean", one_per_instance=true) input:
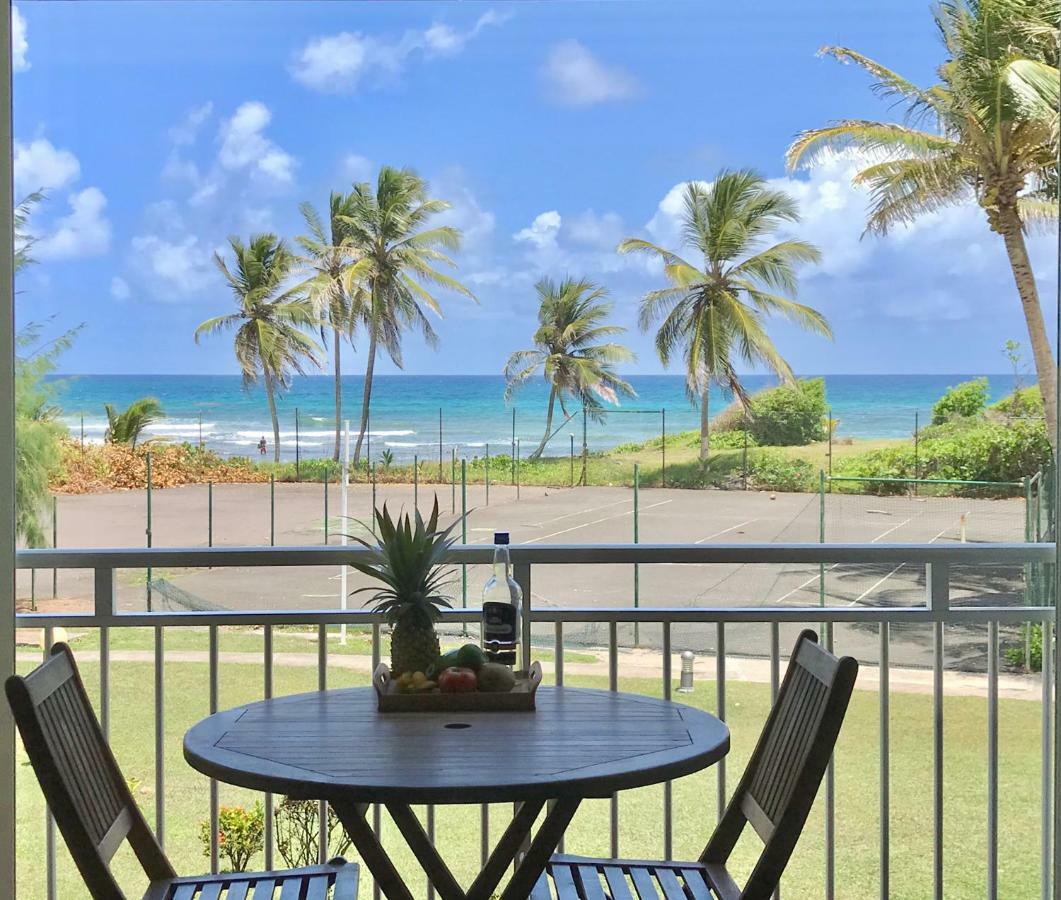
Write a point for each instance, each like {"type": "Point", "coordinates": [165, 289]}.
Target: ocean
{"type": "Point", "coordinates": [406, 410]}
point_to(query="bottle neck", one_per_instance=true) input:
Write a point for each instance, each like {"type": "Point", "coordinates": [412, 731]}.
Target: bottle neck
{"type": "Point", "coordinates": [501, 562]}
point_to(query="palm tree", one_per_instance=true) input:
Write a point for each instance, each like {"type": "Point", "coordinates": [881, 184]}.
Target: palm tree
{"type": "Point", "coordinates": [126, 427]}
{"type": "Point", "coordinates": [396, 257]}
{"type": "Point", "coordinates": [570, 351]}
{"type": "Point", "coordinates": [271, 319]}
{"type": "Point", "coordinates": [713, 311]}
{"type": "Point", "coordinates": [328, 253]}
{"type": "Point", "coordinates": [987, 130]}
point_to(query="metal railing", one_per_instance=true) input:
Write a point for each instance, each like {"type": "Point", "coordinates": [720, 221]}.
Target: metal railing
{"type": "Point", "coordinates": [937, 613]}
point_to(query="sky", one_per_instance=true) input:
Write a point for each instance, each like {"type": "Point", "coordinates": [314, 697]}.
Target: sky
{"type": "Point", "coordinates": [158, 129]}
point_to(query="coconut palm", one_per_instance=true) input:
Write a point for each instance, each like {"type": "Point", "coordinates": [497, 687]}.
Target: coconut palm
{"type": "Point", "coordinates": [328, 253]}
{"type": "Point", "coordinates": [713, 312]}
{"type": "Point", "coordinates": [571, 351]}
{"type": "Point", "coordinates": [987, 130]}
{"type": "Point", "coordinates": [271, 319]}
{"type": "Point", "coordinates": [397, 257]}
{"type": "Point", "coordinates": [127, 426]}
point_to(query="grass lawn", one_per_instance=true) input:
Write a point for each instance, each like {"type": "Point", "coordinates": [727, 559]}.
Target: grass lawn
{"type": "Point", "coordinates": [695, 798]}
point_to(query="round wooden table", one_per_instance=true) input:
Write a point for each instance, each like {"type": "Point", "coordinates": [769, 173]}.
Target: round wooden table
{"type": "Point", "coordinates": [336, 746]}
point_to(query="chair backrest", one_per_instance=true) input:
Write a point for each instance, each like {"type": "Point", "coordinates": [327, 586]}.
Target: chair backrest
{"type": "Point", "coordinates": [82, 784]}
{"type": "Point", "coordinates": [779, 785]}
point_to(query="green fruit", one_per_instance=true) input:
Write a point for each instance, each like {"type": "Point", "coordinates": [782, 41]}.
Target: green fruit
{"type": "Point", "coordinates": [445, 661]}
{"type": "Point", "coordinates": [470, 657]}
{"type": "Point", "coordinates": [496, 678]}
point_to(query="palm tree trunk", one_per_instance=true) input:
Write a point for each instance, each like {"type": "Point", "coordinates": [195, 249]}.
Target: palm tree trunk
{"type": "Point", "coordinates": [1045, 370]}
{"type": "Point", "coordinates": [367, 396]}
{"type": "Point", "coordinates": [705, 425]}
{"type": "Point", "coordinates": [337, 341]}
{"type": "Point", "coordinates": [272, 412]}
{"type": "Point", "coordinates": [548, 425]}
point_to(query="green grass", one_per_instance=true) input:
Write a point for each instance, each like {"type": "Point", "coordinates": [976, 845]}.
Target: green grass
{"type": "Point", "coordinates": [695, 798]}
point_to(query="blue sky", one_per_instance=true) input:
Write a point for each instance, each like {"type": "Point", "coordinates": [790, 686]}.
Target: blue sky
{"type": "Point", "coordinates": [555, 129]}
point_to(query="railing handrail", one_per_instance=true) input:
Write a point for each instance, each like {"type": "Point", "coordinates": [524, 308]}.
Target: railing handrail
{"type": "Point", "coordinates": [550, 554]}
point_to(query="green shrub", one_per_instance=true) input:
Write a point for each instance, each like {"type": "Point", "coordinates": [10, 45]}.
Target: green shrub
{"type": "Point", "coordinates": [772, 471]}
{"type": "Point", "coordinates": [789, 415]}
{"type": "Point", "coordinates": [298, 833]}
{"type": "Point", "coordinates": [240, 835]}
{"type": "Point", "coordinates": [732, 440]}
{"type": "Point", "coordinates": [1024, 402]}
{"type": "Point", "coordinates": [1015, 655]}
{"type": "Point", "coordinates": [961, 401]}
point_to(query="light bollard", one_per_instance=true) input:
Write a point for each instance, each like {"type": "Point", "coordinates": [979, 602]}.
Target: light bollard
{"type": "Point", "coordinates": [685, 686]}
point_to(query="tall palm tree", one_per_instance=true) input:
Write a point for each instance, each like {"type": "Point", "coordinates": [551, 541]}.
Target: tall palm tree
{"type": "Point", "coordinates": [397, 256]}
{"type": "Point", "coordinates": [714, 309]}
{"type": "Point", "coordinates": [571, 351]}
{"type": "Point", "coordinates": [127, 426]}
{"type": "Point", "coordinates": [271, 320]}
{"type": "Point", "coordinates": [328, 253]}
{"type": "Point", "coordinates": [986, 130]}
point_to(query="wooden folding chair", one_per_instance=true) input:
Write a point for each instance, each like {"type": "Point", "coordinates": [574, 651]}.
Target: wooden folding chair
{"type": "Point", "coordinates": [96, 813]}
{"type": "Point", "coordinates": [774, 796]}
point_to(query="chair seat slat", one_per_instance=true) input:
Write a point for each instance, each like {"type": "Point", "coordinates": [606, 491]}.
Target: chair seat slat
{"type": "Point", "coordinates": [317, 889]}
{"type": "Point", "coordinates": [589, 877]}
{"type": "Point", "coordinates": [672, 890]}
{"type": "Point", "coordinates": [616, 879]}
{"type": "Point", "coordinates": [211, 890]}
{"type": "Point", "coordinates": [291, 888]}
{"type": "Point", "coordinates": [184, 892]}
{"type": "Point", "coordinates": [238, 891]}
{"type": "Point", "coordinates": [264, 889]}
{"type": "Point", "coordinates": [564, 881]}
{"type": "Point", "coordinates": [643, 881]}
{"type": "Point", "coordinates": [695, 884]}
{"type": "Point", "coordinates": [541, 890]}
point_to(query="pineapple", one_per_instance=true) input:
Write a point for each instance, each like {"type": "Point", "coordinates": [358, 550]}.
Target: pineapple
{"type": "Point", "coordinates": [407, 557]}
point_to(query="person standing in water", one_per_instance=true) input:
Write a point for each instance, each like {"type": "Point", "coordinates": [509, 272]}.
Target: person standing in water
{"type": "Point", "coordinates": [263, 447]}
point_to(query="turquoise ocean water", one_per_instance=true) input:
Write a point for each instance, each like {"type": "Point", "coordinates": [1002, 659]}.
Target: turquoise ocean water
{"type": "Point", "coordinates": [405, 410]}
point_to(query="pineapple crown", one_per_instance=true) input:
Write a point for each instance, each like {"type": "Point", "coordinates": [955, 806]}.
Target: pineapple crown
{"type": "Point", "coordinates": [407, 557]}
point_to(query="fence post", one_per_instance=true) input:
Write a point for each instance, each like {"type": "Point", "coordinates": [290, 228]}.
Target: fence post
{"type": "Point", "coordinates": [487, 474]}
{"type": "Point", "coordinates": [453, 479]}
{"type": "Point", "coordinates": [464, 540]}
{"type": "Point", "coordinates": [585, 451]}
{"type": "Point", "coordinates": [572, 459]}
{"type": "Point", "coordinates": [663, 446]}
{"type": "Point", "coordinates": [829, 425]}
{"type": "Point", "coordinates": [326, 505]}
{"type": "Point", "coordinates": [416, 483]}
{"type": "Point", "coordinates": [917, 448]}
{"type": "Point", "coordinates": [272, 510]}
{"type": "Point", "coordinates": [210, 513]}
{"type": "Point", "coordinates": [200, 429]}
{"type": "Point", "coordinates": [517, 468]}
{"type": "Point", "coordinates": [513, 445]}
{"type": "Point", "coordinates": [744, 458]}
{"type": "Point", "coordinates": [637, 566]}
{"type": "Point", "coordinates": [1027, 574]}
{"type": "Point", "coordinates": [298, 451]}
{"type": "Point", "coordinates": [82, 434]}
{"type": "Point", "coordinates": [440, 445]}
{"type": "Point", "coordinates": [821, 534]}
{"type": "Point", "coordinates": [148, 530]}
{"type": "Point", "coordinates": [55, 543]}
{"type": "Point", "coordinates": [372, 472]}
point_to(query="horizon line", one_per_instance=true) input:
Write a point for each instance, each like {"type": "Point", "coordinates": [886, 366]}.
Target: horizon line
{"type": "Point", "coordinates": [1029, 376]}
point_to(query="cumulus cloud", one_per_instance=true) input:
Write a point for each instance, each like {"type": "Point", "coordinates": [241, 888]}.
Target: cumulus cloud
{"type": "Point", "coordinates": [542, 232]}
{"type": "Point", "coordinates": [574, 76]}
{"type": "Point", "coordinates": [244, 146]}
{"type": "Point", "coordinates": [601, 231]}
{"type": "Point", "coordinates": [19, 42]}
{"type": "Point", "coordinates": [174, 267]}
{"type": "Point", "coordinates": [85, 231]}
{"type": "Point", "coordinates": [120, 289]}
{"type": "Point", "coordinates": [39, 164]}
{"type": "Point", "coordinates": [341, 62]}
{"type": "Point", "coordinates": [187, 130]}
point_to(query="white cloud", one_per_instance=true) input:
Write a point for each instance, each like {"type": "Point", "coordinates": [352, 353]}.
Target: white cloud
{"type": "Point", "coordinates": [19, 43]}
{"type": "Point", "coordinates": [175, 268]}
{"type": "Point", "coordinates": [187, 130]}
{"type": "Point", "coordinates": [358, 168]}
{"type": "Point", "coordinates": [84, 232]}
{"type": "Point", "coordinates": [120, 289]}
{"type": "Point", "coordinates": [39, 164]}
{"type": "Point", "coordinates": [340, 62]}
{"type": "Point", "coordinates": [573, 76]}
{"type": "Point", "coordinates": [245, 146]}
{"type": "Point", "coordinates": [601, 231]}
{"type": "Point", "coordinates": [542, 232]}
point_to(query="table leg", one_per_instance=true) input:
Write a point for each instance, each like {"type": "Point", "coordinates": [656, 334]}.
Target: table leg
{"type": "Point", "coordinates": [545, 842]}
{"type": "Point", "coordinates": [375, 858]}
{"type": "Point", "coordinates": [508, 846]}
{"type": "Point", "coordinates": [434, 866]}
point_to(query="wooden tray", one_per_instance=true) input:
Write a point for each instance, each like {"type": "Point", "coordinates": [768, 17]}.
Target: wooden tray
{"type": "Point", "coordinates": [519, 699]}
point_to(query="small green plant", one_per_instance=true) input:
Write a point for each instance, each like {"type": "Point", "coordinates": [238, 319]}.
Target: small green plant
{"type": "Point", "coordinates": [298, 832]}
{"type": "Point", "coordinates": [773, 471]}
{"type": "Point", "coordinates": [1015, 655]}
{"type": "Point", "coordinates": [386, 459]}
{"type": "Point", "coordinates": [240, 835]}
{"type": "Point", "coordinates": [961, 402]}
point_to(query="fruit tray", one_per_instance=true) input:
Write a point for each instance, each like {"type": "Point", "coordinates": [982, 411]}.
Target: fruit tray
{"type": "Point", "coordinates": [519, 699]}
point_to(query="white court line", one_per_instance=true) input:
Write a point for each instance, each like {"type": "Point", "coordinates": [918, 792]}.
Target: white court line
{"type": "Point", "coordinates": [814, 578]}
{"type": "Point", "coordinates": [580, 512]}
{"type": "Point", "coordinates": [628, 512]}
{"type": "Point", "coordinates": [870, 590]}
{"type": "Point", "coordinates": [725, 531]}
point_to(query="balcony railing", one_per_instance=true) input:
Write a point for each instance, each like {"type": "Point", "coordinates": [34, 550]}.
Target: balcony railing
{"type": "Point", "coordinates": [937, 614]}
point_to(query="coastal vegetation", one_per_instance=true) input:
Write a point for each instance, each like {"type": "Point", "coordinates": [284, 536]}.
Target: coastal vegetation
{"type": "Point", "coordinates": [572, 352]}
{"type": "Point", "coordinates": [988, 129]}
{"type": "Point", "coordinates": [714, 309]}
{"type": "Point", "coordinates": [127, 426]}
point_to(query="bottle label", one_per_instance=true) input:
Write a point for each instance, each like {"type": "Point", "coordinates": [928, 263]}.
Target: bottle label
{"type": "Point", "coordinates": [499, 631]}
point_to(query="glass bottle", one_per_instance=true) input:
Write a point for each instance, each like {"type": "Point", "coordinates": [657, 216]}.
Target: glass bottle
{"type": "Point", "coordinates": [502, 608]}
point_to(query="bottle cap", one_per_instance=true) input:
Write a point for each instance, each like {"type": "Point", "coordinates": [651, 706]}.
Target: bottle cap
{"type": "Point", "coordinates": [501, 537]}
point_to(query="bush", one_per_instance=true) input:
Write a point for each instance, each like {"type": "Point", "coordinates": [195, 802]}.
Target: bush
{"type": "Point", "coordinates": [772, 471]}
{"type": "Point", "coordinates": [298, 833]}
{"type": "Point", "coordinates": [240, 835]}
{"type": "Point", "coordinates": [961, 401]}
{"type": "Point", "coordinates": [789, 415]}
{"type": "Point", "coordinates": [1024, 402]}
{"type": "Point", "coordinates": [1015, 655]}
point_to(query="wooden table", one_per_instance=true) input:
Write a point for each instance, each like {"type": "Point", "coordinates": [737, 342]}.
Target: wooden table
{"type": "Point", "coordinates": [336, 746]}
